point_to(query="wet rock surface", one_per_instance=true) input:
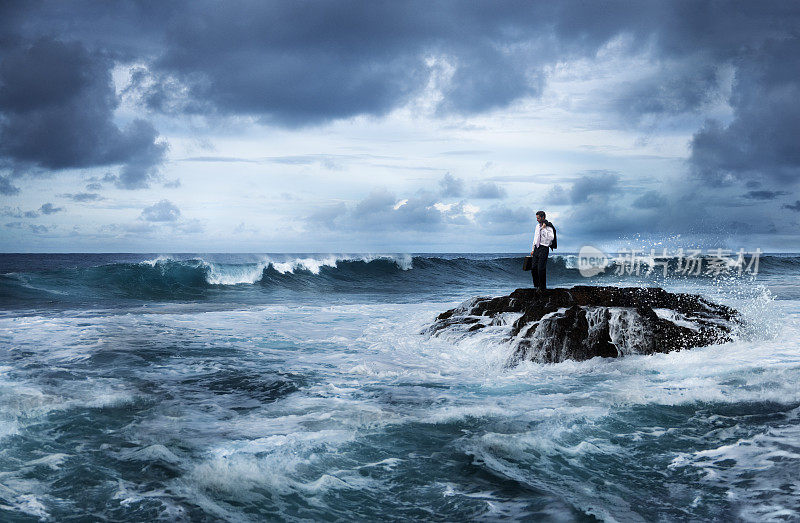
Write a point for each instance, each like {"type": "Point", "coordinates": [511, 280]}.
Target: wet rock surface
{"type": "Point", "coordinates": [580, 323]}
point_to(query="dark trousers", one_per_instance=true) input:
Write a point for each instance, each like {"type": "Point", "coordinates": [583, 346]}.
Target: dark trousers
{"type": "Point", "coordinates": [539, 266]}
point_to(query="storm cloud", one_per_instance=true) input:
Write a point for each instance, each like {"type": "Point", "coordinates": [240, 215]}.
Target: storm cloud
{"type": "Point", "coordinates": [296, 63]}
{"type": "Point", "coordinates": [49, 208]}
{"type": "Point", "coordinates": [299, 63]}
{"type": "Point", "coordinates": [764, 195]}
{"type": "Point", "coordinates": [57, 102]}
{"type": "Point", "coordinates": [793, 206]}
{"type": "Point", "coordinates": [6, 187]}
{"type": "Point", "coordinates": [600, 183]}
{"type": "Point", "coordinates": [650, 200]}
{"type": "Point", "coordinates": [86, 85]}
{"type": "Point", "coordinates": [760, 143]}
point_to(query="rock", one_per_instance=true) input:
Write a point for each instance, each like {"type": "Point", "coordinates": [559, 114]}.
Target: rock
{"type": "Point", "coordinates": [580, 323]}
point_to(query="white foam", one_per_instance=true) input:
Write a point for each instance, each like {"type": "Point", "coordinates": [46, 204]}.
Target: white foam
{"type": "Point", "coordinates": [30, 504]}
{"type": "Point", "coordinates": [160, 259]}
{"type": "Point", "coordinates": [52, 461]}
{"type": "Point", "coordinates": [626, 330]}
{"type": "Point", "coordinates": [677, 318]}
{"type": "Point", "coordinates": [754, 469]}
{"type": "Point", "coordinates": [371, 370]}
{"type": "Point", "coordinates": [503, 454]}
{"type": "Point", "coordinates": [314, 264]}
{"type": "Point", "coordinates": [150, 453]}
{"type": "Point", "coordinates": [235, 273]}
{"type": "Point", "coordinates": [273, 463]}
{"type": "Point", "coordinates": [570, 260]}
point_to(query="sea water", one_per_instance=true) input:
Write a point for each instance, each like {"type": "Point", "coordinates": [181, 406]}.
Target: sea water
{"type": "Point", "coordinates": [300, 387]}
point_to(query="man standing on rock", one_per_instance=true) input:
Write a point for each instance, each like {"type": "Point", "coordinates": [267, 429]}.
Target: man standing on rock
{"type": "Point", "coordinates": [543, 239]}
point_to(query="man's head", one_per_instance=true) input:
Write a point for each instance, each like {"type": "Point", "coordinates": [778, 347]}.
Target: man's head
{"type": "Point", "coordinates": [540, 217]}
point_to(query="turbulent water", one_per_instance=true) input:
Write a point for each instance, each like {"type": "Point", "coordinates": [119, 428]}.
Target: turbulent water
{"type": "Point", "coordinates": [282, 387]}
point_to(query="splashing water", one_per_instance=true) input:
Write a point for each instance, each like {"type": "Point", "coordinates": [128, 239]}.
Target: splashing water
{"type": "Point", "coordinates": [312, 395]}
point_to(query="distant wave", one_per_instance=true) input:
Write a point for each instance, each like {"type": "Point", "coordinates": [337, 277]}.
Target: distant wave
{"type": "Point", "coordinates": [169, 278]}
{"type": "Point", "coordinates": [217, 273]}
{"type": "Point", "coordinates": [164, 277]}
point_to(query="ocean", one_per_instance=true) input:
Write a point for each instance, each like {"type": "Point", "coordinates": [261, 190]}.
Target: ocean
{"type": "Point", "coordinates": [247, 387]}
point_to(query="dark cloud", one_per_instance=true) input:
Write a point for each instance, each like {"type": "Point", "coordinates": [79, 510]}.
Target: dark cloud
{"type": "Point", "coordinates": [304, 62]}
{"type": "Point", "coordinates": [502, 220]}
{"type": "Point", "coordinates": [488, 191]}
{"type": "Point", "coordinates": [350, 58]}
{"type": "Point", "coordinates": [793, 206]}
{"type": "Point", "coordinates": [760, 143]}
{"type": "Point", "coordinates": [94, 186]}
{"type": "Point", "coordinates": [82, 196]}
{"type": "Point", "coordinates": [11, 212]}
{"type": "Point", "coordinates": [451, 187]}
{"type": "Point", "coordinates": [49, 208]}
{"type": "Point", "coordinates": [57, 103]}
{"type": "Point", "coordinates": [764, 195]}
{"type": "Point", "coordinates": [650, 200]}
{"type": "Point", "coordinates": [34, 228]}
{"type": "Point", "coordinates": [6, 187]}
{"type": "Point", "coordinates": [682, 87]}
{"type": "Point", "coordinates": [289, 63]}
{"type": "Point", "coordinates": [594, 183]}
{"type": "Point", "coordinates": [678, 212]}
{"type": "Point", "coordinates": [163, 211]}
{"type": "Point", "coordinates": [493, 76]}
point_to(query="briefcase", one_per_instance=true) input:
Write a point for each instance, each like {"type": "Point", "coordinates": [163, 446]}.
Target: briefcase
{"type": "Point", "coordinates": [527, 263]}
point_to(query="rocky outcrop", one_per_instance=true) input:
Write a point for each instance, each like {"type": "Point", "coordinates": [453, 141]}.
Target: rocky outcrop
{"type": "Point", "coordinates": [585, 321]}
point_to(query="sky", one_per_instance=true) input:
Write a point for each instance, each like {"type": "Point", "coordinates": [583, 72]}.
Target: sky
{"type": "Point", "coordinates": [398, 126]}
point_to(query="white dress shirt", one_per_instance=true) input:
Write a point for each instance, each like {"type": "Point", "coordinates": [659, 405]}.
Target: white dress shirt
{"type": "Point", "coordinates": [543, 236]}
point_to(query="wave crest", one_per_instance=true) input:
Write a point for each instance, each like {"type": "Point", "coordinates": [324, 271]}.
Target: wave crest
{"type": "Point", "coordinates": [172, 277]}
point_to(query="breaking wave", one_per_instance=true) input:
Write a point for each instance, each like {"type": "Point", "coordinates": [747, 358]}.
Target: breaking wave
{"type": "Point", "coordinates": [165, 277]}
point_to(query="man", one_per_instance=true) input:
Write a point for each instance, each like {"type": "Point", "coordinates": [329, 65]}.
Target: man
{"type": "Point", "coordinates": [542, 239]}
